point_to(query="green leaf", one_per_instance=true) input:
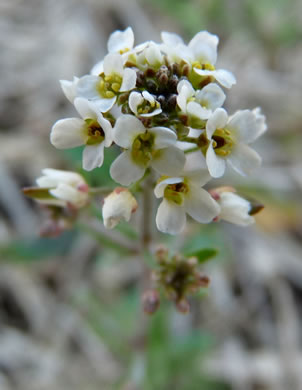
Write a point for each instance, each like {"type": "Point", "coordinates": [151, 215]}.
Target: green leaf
{"type": "Point", "coordinates": [37, 248]}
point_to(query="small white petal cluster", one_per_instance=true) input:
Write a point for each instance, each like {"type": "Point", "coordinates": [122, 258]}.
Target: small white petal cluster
{"type": "Point", "coordinates": [161, 105]}
{"type": "Point", "coordinates": [65, 188]}
{"type": "Point", "coordinates": [119, 205]}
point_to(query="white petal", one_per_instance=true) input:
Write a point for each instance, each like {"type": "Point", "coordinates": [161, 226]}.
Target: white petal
{"type": "Point", "coordinates": [126, 128]}
{"type": "Point", "coordinates": [52, 177]}
{"type": "Point", "coordinates": [244, 124]}
{"type": "Point", "coordinates": [169, 161]}
{"type": "Point", "coordinates": [150, 98]}
{"type": "Point", "coordinates": [107, 128]}
{"type": "Point", "coordinates": [225, 78]}
{"type": "Point", "coordinates": [69, 88]}
{"type": "Point", "coordinates": [217, 120]}
{"type": "Point", "coordinates": [87, 87]}
{"type": "Point", "coordinates": [124, 170]}
{"type": "Point", "coordinates": [212, 95]}
{"type": "Point", "coordinates": [113, 63]}
{"type": "Point", "coordinates": [205, 38]}
{"type": "Point", "coordinates": [68, 133]}
{"type": "Point", "coordinates": [153, 113]}
{"type": "Point", "coordinates": [195, 109]}
{"type": "Point", "coordinates": [216, 164]}
{"type": "Point", "coordinates": [97, 69]}
{"type": "Point", "coordinates": [118, 205]}
{"type": "Point", "coordinates": [195, 161]}
{"type": "Point", "coordinates": [153, 54]}
{"type": "Point", "coordinates": [204, 53]}
{"type": "Point", "coordinates": [69, 194]}
{"type": "Point", "coordinates": [185, 91]}
{"type": "Point", "coordinates": [85, 108]}
{"type": "Point", "coordinates": [261, 121]}
{"type": "Point", "coordinates": [170, 218]}
{"type": "Point", "coordinates": [129, 80]}
{"type": "Point", "coordinates": [135, 99]}
{"type": "Point", "coordinates": [187, 85]}
{"type": "Point", "coordinates": [171, 39]}
{"type": "Point", "coordinates": [104, 105]}
{"type": "Point", "coordinates": [198, 177]}
{"type": "Point", "coordinates": [163, 137]}
{"type": "Point", "coordinates": [235, 209]}
{"type": "Point", "coordinates": [93, 156]}
{"type": "Point", "coordinates": [200, 205]}
{"type": "Point", "coordinates": [244, 159]}
{"type": "Point", "coordinates": [120, 40]}
{"type": "Point", "coordinates": [116, 111]}
{"type": "Point", "coordinates": [160, 187]}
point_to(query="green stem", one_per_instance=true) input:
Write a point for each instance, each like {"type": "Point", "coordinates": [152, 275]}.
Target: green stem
{"type": "Point", "coordinates": [192, 149]}
{"type": "Point", "coordinates": [101, 190]}
{"type": "Point", "coordinates": [190, 139]}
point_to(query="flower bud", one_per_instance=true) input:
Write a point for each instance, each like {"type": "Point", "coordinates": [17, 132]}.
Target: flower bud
{"type": "Point", "coordinates": [183, 306]}
{"type": "Point", "coordinates": [150, 301]}
{"type": "Point", "coordinates": [118, 206]}
{"type": "Point", "coordinates": [234, 208]}
{"type": "Point", "coordinates": [60, 188]}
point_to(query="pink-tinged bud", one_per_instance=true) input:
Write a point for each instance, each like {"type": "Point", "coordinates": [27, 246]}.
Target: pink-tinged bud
{"type": "Point", "coordinates": [203, 281]}
{"type": "Point", "coordinates": [83, 187]}
{"type": "Point", "coordinates": [214, 194]}
{"type": "Point", "coordinates": [118, 205]}
{"type": "Point", "coordinates": [150, 301]}
{"type": "Point", "coordinates": [60, 188]}
{"type": "Point", "coordinates": [183, 306]}
{"type": "Point", "coordinates": [233, 208]}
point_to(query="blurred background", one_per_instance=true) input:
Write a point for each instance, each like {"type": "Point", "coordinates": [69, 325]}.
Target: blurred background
{"type": "Point", "coordinates": [69, 306]}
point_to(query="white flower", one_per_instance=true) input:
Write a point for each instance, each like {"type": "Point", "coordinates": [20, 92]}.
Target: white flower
{"type": "Point", "coordinates": [143, 104]}
{"type": "Point", "coordinates": [66, 188]}
{"type": "Point", "coordinates": [93, 130]}
{"type": "Point", "coordinates": [148, 55]}
{"type": "Point", "coordinates": [121, 41]}
{"type": "Point", "coordinates": [226, 140]}
{"type": "Point", "coordinates": [201, 54]}
{"type": "Point", "coordinates": [183, 194]}
{"type": "Point", "coordinates": [69, 88]}
{"type": "Point", "coordinates": [153, 147]}
{"type": "Point", "coordinates": [200, 103]}
{"type": "Point", "coordinates": [118, 205]}
{"type": "Point", "coordinates": [234, 208]}
{"type": "Point", "coordinates": [174, 47]}
{"type": "Point", "coordinates": [204, 55]}
{"type": "Point", "coordinates": [104, 88]}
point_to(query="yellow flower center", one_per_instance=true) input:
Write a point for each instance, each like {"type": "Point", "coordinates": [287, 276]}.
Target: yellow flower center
{"type": "Point", "coordinates": [146, 107]}
{"type": "Point", "coordinates": [176, 192]}
{"type": "Point", "coordinates": [223, 142]}
{"type": "Point", "coordinates": [142, 149]}
{"type": "Point", "coordinates": [110, 85]}
{"type": "Point", "coordinates": [95, 132]}
{"type": "Point", "coordinates": [198, 81]}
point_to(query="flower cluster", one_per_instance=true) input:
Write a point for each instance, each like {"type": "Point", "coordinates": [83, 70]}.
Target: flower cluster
{"type": "Point", "coordinates": [161, 105]}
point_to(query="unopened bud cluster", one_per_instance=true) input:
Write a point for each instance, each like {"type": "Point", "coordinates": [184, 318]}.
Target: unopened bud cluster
{"type": "Point", "coordinates": [160, 104]}
{"type": "Point", "coordinates": [177, 277]}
